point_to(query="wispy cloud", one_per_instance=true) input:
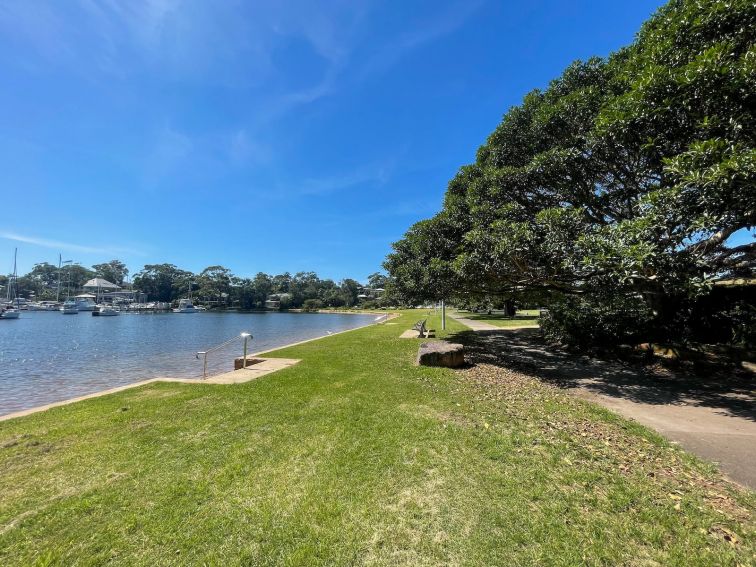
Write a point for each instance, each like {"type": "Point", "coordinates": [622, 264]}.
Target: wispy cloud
{"type": "Point", "coordinates": [325, 185]}
{"type": "Point", "coordinates": [244, 149]}
{"type": "Point", "coordinates": [68, 246]}
{"type": "Point", "coordinates": [371, 175]}
{"type": "Point", "coordinates": [341, 71]}
{"type": "Point", "coordinates": [443, 23]}
{"type": "Point", "coordinates": [224, 43]}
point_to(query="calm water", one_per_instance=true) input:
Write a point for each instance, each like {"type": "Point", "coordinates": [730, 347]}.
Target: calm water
{"type": "Point", "coordinates": [47, 356]}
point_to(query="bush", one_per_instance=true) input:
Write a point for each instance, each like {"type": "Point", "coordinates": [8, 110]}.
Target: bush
{"type": "Point", "coordinates": [597, 322]}
{"type": "Point", "coordinates": [311, 305]}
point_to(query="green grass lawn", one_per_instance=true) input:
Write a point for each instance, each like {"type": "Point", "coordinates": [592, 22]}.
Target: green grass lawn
{"type": "Point", "coordinates": [357, 456]}
{"type": "Point", "coordinates": [523, 318]}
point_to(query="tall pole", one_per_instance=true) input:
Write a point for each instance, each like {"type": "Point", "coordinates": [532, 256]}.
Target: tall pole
{"type": "Point", "coordinates": [60, 262]}
{"type": "Point", "coordinates": [443, 315]}
{"type": "Point", "coordinates": [15, 276]}
{"type": "Point", "coordinates": [68, 280]}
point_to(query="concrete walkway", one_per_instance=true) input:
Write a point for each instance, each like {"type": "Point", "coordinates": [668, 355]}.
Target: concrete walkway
{"type": "Point", "coordinates": [267, 366]}
{"type": "Point", "coordinates": [713, 418]}
{"type": "Point", "coordinates": [473, 324]}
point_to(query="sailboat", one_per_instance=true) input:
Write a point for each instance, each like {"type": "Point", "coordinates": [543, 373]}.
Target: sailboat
{"type": "Point", "coordinates": [69, 305]}
{"type": "Point", "coordinates": [8, 311]}
{"type": "Point", "coordinates": [186, 305]}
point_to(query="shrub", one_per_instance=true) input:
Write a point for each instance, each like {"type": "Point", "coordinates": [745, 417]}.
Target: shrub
{"type": "Point", "coordinates": [311, 305]}
{"type": "Point", "coordinates": [598, 322]}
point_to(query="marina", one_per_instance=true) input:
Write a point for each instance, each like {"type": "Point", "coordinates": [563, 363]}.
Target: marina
{"type": "Point", "coordinates": [46, 358]}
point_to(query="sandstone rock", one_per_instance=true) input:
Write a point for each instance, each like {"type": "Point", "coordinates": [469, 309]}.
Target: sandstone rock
{"type": "Point", "coordinates": [441, 353]}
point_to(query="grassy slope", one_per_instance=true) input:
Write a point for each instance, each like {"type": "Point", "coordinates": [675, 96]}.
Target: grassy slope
{"type": "Point", "coordinates": [354, 455]}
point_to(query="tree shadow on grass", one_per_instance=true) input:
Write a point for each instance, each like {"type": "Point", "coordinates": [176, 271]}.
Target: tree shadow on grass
{"type": "Point", "coordinates": [729, 390]}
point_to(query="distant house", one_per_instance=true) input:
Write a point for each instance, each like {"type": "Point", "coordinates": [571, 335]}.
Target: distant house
{"type": "Point", "coordinates": [274, 300]}
{"type": "Point", "coordinates": [366, 293]}
{"type": "Point", "coordinates": [100, 284]}
{"type": "Point", "coordinates": [105, 291]}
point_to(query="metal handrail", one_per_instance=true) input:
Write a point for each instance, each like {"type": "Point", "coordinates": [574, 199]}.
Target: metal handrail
{"type": "Point", "coordinates": [204, 353]}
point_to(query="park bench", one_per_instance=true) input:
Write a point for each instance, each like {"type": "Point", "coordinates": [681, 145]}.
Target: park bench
{"type": "Point", "coordinates": [420, 328]}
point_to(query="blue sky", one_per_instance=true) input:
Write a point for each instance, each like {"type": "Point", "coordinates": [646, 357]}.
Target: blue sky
{"type": "Point", "coordinates": [263, 136]}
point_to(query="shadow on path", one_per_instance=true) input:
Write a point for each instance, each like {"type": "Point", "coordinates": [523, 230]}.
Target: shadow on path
{"type": "Point", "coordinates": [728, 393]}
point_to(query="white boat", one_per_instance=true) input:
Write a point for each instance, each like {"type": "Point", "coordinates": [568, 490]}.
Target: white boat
{"type": "Point", "coordinates": [185, 306]}
{"type": "Point", "coordinates": [44, 306]}
{"type": "Point", "coordinates": [106, 311]}
{"type": "Point", "coordinates": [85, 302]}
{"type": "Point", "coordinates": [69, 307]}
{"type": "Point", "coordinates": [8, 313]}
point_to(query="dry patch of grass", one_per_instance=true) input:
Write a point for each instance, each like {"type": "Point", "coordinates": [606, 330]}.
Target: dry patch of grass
{"type": "Point", "coordinates": [585, 438]}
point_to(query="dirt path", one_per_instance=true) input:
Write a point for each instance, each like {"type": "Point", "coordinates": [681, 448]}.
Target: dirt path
{"type": "Point", "coordinates": [714, 418]}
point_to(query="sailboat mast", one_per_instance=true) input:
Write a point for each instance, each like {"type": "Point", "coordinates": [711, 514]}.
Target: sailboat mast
{"type": "Point", "coordinates": [68, 281]}
{"type": "Point", "coordinates": [60, 263]}
{"type": "Point", "coordinates": [8, 289]}
{"type": "Point", "coordinates": [15, 275]}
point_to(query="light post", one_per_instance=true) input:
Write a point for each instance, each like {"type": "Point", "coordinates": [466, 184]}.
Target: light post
{"type": "Point", "coordinates": [246, 337]}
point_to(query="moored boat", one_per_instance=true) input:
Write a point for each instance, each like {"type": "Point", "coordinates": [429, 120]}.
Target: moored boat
{"type": "Point", "coordinates": [185, 306]}
{"type": "Point", "coordinates": [85, 302]}
{"type": "Point", "coordinates": [8, 313]}
{"type": "Point", "coordinates": [69, 307]}
{"type": "Point", "coordinates": [44, 306]}
{"type": "Point", "coordinates": [106, 311]}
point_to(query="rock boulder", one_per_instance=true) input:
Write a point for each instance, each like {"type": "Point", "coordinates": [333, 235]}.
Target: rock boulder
{"type": "Point", "coordinates": [441, 353]}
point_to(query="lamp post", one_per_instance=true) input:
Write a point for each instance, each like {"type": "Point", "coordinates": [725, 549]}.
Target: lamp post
{"type": "Point", "coordinates": [246, 337]}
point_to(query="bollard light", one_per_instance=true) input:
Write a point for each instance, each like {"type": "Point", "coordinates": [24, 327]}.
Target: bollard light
{"type": "Point", "coordinates": [246, 336]}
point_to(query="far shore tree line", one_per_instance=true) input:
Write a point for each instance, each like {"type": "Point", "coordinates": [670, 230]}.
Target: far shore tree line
{"type": "Point", "coordinates": [215, 286]}
{"type": "Point", "coordinates": [612, 196]}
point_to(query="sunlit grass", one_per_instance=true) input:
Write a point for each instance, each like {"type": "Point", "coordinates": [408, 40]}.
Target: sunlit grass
{"type": "Point", "coordinates": [355, 455]}
{"type": "Point", "coordinates": [525, 317]}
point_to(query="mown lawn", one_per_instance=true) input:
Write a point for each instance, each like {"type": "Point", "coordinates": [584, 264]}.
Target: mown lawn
{"type": "Point", "coordinates": [357, 456]}
{"type": "Point", "coordinates": [523, 318]}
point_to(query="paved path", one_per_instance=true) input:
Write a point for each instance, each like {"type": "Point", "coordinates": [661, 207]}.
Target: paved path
{"type": "Point", "coordinates": [713, 433]}
{"type": "Point", "coordinates": [713, 418]}
{"type": "Point", "coordinates": [473, 324]}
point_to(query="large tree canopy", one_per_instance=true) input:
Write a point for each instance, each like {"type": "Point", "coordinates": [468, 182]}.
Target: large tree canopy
{"type": "Point", "coordinates": [114, 271]}
{"type": "Point", "coordinates": [620, 183]}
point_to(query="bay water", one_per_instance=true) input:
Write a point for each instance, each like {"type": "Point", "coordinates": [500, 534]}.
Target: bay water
{"type": "Point", "coordinates": [47, 356]}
